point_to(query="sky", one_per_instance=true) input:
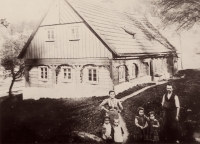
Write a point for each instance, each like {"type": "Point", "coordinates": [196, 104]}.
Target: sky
{"type": "Point", "coordinates": [19, 10]}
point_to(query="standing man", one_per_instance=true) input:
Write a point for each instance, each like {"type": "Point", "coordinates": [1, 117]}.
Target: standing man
{"type": "Point", "coordinates": [171, 106]}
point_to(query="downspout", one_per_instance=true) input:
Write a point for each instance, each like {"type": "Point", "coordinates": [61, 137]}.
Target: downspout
{"type": "Point", "coordinates": [181, 52]}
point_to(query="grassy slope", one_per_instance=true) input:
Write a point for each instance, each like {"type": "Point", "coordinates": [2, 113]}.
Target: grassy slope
{"type": "Point", "coordinates": [49, 120]}
{"type": "Point", "coordinates": [188, 90]}
{"type": "Point", "coordinates": [53, 120]}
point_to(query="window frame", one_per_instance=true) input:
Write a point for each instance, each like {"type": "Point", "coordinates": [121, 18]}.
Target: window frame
{"type": "Point", "coordinates": [76, 35]}
{"type": "Point", "coordinates": [135, 71]}
{"type": "Point", "coordinates": [144, 69]}
{"type": "Point", "coordinates": [50, 34]}
{"type": "Point", "coordinates": [122, 74]}
{"type": "Point", "coordinates": [40, 75]}
{"type": "Point", "coordinates": [92, 75]}
{"type": "Point", "coordinates": [67, 74]}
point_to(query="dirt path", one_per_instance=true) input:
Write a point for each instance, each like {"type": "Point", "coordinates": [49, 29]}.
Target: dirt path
{"type": "Point", "coordinates": [123, 125]}
{"type": "Point", "coordinates": [122, 122]}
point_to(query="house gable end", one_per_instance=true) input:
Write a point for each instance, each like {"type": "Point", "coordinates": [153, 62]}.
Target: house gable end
{"type": "Point", "coordinates": [61, 16]}
{"type": "Point", "coordinates": [60, 13]}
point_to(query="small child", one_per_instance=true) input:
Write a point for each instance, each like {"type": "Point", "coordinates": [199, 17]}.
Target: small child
{"type": "Point", "coordinates": [106, 131]}
{"type": "Point", "coordinates": [141, 125]}
{"type": "Point", "coordinates": [117, 132]}
{"type": "Point", "coordinates": [153, 128]}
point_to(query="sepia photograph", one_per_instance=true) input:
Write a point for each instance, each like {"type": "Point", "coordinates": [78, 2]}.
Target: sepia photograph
{"type": "Point", "coordinates": [99, 71]}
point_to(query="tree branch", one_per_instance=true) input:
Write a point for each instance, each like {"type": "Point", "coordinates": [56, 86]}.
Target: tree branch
{"type": "Point", "coordinates": [4, 22]}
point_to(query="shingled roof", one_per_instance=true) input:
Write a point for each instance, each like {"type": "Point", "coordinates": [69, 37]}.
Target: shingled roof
{"type": "Point", "coordinates": [124, 34]}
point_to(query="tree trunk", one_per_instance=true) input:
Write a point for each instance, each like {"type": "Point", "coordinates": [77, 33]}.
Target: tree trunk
{"type": "Point", "coordinates": [10, 89]}
{"type": "Point", "coordinates": [12, 82]}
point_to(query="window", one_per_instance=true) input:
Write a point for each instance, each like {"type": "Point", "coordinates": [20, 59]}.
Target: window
{"type": "Point", "coordinates": [158, 66]}
{"type": "Point", "coordinates": [74, 31]}
{"type": "Point", "coordinates": [164, 64]}
{"type": "Point", "coordinates": [67, 74]}
{"type": "Point", "coordinates": [50, 35]}
{"type": "Point", "coordinates": [144, 69]}
{"type": "Point", "coordinates": [134, 71]}
{"type": "Point", "coordinates": [43, 73]}
{"type": "Point", "coordinates": [121, 73]}
{"type": "Point", "coordinates": [92, 75]}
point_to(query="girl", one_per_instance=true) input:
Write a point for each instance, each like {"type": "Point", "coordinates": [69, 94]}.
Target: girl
{"type": "Point", "coordinates": [117, 132]}
{"type": "Point", "coordinates": [153, 127]}
{"type": "Point", "coordinates": [106, 131]}
{"type": "Point", "coordinates": [141, 125]}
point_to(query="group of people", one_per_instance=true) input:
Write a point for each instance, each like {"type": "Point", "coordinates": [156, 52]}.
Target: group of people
{"type": "Point", "coordinates": [147, 128]}
{"type": "Point", "coordinates": [112, 130]}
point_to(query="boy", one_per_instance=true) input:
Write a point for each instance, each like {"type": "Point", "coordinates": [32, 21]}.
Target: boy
{"type": "Point", "coordinates": [106, 131]}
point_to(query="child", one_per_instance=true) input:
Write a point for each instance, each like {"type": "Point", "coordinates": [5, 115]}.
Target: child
{"type": "Point", "coordinates": [106, 131]}
{"type": "Point", "coordinates": [117, 132]}
{"type": "Point", "coordinates": [153, 128]}
{"type": "Point", "coordinates": [141, 125]}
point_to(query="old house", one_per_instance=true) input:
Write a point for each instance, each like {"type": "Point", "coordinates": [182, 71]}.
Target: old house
{"type": "Point", "coordinates": [80, 49]}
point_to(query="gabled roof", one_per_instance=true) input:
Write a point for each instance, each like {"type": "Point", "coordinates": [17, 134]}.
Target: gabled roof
{"type": "Point", "coordinates": [124, 34]}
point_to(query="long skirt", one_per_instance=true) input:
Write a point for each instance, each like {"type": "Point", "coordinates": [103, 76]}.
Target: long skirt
{"type": "Point", "coordinates": [141, 134]}
{"type": "Point", "coordinates": [154, 134]}
{"type": "Point", "coordinates": [113, 114]}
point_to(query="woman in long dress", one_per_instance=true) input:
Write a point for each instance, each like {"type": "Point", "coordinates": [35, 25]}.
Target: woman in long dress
{"type": "Point", "coordinates": [114, 107]}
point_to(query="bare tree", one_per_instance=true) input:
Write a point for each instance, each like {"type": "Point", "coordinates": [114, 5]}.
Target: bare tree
{"type": "Point", "coordinates": [9, 60]}
{"type": "Point", "coordinates": [182, 13]}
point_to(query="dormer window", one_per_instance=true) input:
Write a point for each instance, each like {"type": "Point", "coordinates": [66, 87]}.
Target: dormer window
{"type": "Point", "coordinates": [74, 33]}
{"type": "Point", "coordinates": [50, 37]}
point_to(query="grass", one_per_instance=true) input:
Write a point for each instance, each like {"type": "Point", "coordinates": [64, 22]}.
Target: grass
{"type": "Point", "coordinates": [49, 120]}
{"type": "Point", "coordinates": [188, 90]}
{"type": "Point", "coordinates": [53, 120]}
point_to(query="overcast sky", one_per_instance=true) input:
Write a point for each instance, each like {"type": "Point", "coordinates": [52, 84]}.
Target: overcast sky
{"type": "Point", "coordinates": [19, 10]}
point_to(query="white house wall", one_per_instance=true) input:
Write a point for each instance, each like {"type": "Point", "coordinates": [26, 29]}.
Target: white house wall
{"type": "Point", "coordinates": [88, 46]}
{"type": "Point", "coordinates": [34, 80]}
{"type": "Point", "coordinates": [79, 86]}
{"type": "Point", "coordinates": [161, 66]}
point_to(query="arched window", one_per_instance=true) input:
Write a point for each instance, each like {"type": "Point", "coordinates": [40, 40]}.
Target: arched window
{"type": "Point", "coordinates": [144, 69]}
{"type": "Point", "coordinates": [67, 73]}
{"type": "Point", "coordinates": [122, 74]}
{"type": "Point", "coordinates": [134, 71]}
